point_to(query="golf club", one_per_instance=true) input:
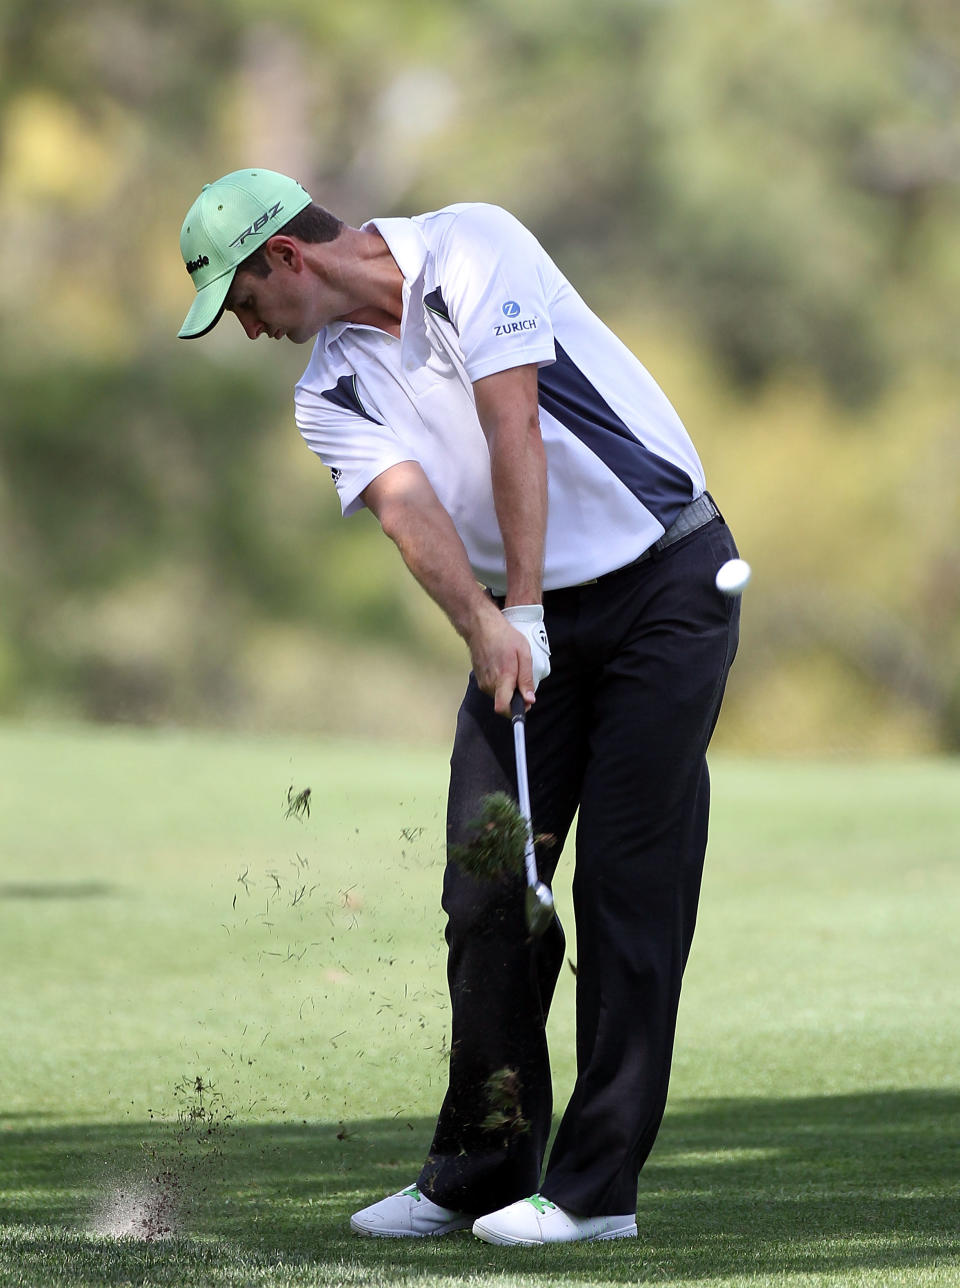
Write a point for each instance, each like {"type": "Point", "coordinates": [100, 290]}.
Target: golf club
{"type": "Point", "coordinates": [539, 898]}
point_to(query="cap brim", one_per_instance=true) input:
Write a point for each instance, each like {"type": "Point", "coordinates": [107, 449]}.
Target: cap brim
{"type": "Point", "coordinates": [207, 309]}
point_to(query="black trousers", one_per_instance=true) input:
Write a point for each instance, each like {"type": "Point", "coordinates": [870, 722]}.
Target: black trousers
{"type": "Point", "coordinates": [620, 729]}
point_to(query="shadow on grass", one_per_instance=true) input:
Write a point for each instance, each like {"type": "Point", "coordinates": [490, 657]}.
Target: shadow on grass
{"type": "Point", "coordinates": [833, 1184]}
{"type": "Point", "coordinates": [56, 890]}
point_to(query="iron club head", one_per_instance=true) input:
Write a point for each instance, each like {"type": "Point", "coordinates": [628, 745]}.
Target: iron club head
{"type": "Point", "coordinates": [539, 908]}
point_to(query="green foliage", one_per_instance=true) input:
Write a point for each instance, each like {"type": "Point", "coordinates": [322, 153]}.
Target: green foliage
{"type": "Point", "coordinates": [760, 196]}
{"type": "Point", "coordinates": [113, 465]}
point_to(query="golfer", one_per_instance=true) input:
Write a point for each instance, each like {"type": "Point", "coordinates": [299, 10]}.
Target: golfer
{"type": "Point", "coordinates": [544, 492]}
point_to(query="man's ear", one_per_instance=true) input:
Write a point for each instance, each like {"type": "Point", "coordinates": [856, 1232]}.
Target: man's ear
{"type": "Point", "coordinates": [284, 252]}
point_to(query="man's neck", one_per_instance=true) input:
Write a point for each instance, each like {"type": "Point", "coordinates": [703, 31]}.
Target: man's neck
{"type": "Point", "coordinates": [375, 280]}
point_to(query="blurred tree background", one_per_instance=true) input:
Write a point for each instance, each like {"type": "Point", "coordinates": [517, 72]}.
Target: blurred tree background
{"type": "Point", "coordinates": [761, 196]}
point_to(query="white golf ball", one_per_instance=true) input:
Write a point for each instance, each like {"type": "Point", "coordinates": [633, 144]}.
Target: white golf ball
{"type": "Point", "coordinates": [733, 576]}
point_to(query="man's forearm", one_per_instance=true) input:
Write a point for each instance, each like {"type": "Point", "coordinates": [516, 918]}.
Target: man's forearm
{"type": "Point", "coordinates": [422, 530]}
{"type": "Point", "coordinates": [431, 548]}
{"type": "Point", "coordinates": [519, 471]}
{"type": "Point", "coordinates": [508, 412]}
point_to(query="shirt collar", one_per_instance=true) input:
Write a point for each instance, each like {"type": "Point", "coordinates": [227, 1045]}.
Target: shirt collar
{"type": "Point", "coordinates": [407, 246]}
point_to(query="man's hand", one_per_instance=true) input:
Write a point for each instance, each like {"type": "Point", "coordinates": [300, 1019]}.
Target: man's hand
{"type": "Point", "coordinates": [503, 660]}
{"type": "Point", "coordinates": [528, 620]}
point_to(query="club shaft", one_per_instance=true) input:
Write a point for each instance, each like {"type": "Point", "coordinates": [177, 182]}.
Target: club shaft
{"type": "Point", "coordinates": [523, 796]}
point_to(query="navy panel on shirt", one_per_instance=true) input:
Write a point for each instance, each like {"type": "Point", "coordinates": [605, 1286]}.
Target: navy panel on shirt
{"type": "Point", "coordinates": [434, 302]}
{"type": "Point", "coordinates": [344, 394]}
{"type": "Point", "coordinates": [568, 395]}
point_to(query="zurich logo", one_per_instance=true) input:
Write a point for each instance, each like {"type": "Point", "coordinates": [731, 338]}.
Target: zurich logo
{"type": "Point", "coordinates": [511, 309]}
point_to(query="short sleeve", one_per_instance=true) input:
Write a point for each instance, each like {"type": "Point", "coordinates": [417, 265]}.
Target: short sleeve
{"type": "Point", "coordinates": [353, 446]}
{"type": "Point", "coordinates": [494, 279]}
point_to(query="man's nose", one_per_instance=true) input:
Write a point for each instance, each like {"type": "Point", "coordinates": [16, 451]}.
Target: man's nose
{"type": "Point", "coordinates": [251, 326]}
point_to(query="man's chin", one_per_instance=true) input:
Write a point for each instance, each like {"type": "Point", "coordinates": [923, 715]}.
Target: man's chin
{"type": "Point", "coordinates": [300, 336]}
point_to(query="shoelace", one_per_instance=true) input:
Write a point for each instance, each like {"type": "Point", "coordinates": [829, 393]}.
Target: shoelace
{"type": "Point", "coordinates": [413, 1193]}
{"type": "Point", "coordinates": [540, 1203]}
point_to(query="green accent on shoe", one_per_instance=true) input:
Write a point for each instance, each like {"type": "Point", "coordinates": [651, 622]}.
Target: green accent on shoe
{"type": "Point", "coordinates": [413, 1192]}
{"type": "Point", "coordinates": [540, 1203]}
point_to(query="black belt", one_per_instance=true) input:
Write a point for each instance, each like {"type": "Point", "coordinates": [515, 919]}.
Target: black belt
{"type": "Point", "coordinates": [693, 516]}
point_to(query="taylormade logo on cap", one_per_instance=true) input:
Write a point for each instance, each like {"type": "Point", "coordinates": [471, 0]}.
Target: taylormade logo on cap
{"type": "Point", "coordinates": [226, 223]}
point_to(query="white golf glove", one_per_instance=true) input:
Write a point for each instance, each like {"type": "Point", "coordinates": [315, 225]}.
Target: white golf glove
{"type": "Point", "coordinates": [528, 620]}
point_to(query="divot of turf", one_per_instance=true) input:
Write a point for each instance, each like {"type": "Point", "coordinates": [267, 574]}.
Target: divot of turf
{"type": "Point", "coordinates": [498, 837]}
{"type": "Point", "coordinates": [497, 841]}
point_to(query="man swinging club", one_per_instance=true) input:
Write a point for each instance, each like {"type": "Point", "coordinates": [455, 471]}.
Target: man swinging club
{"type": "Point", "coordinates": [544, 492]}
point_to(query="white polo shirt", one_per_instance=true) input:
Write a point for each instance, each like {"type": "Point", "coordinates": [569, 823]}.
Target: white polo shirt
{"type": "Point", "coordinates": [480, 295]}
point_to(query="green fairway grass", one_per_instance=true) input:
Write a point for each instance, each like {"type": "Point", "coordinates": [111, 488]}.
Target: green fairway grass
{"type": "Point", "coordinates": [251, 1006]}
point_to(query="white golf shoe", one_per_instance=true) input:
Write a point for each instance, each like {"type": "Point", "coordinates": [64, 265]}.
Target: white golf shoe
{"type": "Point", "coordinates": [537, 1221]}
{"type": "Point", "coordinates": [408, 1215]}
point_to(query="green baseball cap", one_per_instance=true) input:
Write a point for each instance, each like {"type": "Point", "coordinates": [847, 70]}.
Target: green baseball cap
{"type": "Point", "coordinates": [228, 221]}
